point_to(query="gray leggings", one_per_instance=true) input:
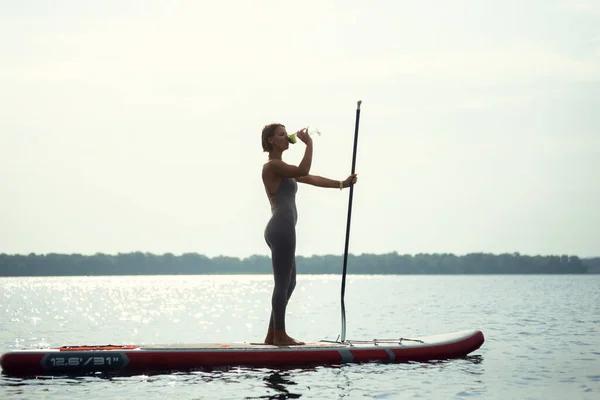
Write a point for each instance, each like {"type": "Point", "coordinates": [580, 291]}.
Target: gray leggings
{"type": "Point", "coordinates": [283, 249]}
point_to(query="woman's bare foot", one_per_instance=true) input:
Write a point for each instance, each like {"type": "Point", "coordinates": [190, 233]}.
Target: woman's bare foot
{"type": "Point", "coordinates": [282, 339]}
{"type": "Point", "coordinates": [270, 335]}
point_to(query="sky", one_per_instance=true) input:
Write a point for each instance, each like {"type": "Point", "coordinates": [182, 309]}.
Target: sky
{"type": "Point", "coordinates": [135, 125]}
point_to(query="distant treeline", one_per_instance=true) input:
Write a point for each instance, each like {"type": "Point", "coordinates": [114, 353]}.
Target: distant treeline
{"type": "Point", "coordinates": [138, 263]}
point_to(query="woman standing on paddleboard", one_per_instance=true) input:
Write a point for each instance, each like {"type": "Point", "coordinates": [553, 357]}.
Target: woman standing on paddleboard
{"type": "Point", "coordinates": [280, 182]}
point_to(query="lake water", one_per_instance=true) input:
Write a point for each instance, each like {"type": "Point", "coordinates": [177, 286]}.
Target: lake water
{"type": "Point", "coordinates": [542, 333]}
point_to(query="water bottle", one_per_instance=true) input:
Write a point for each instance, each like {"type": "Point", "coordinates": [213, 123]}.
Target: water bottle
{"type": "Point", "coordinates": [312, 132]}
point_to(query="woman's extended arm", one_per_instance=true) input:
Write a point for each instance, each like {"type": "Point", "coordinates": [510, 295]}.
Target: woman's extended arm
{"type": "Point", "coordinates": [321, 181]}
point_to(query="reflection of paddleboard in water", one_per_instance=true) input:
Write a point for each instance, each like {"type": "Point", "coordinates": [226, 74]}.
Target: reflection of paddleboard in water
{"type": "Point", "coordinates": [149, 358]}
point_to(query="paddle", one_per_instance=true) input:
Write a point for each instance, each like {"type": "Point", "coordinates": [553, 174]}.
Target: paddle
{"type": "Point", "coordinates": [343, 338]}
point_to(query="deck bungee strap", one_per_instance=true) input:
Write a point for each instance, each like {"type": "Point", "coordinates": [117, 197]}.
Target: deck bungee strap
{"type": "Point", "coordinates": [98, 347]}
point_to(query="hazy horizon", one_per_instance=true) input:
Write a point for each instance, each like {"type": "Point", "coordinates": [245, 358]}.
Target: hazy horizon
{"type": "Point", "coordinates": [334, 254]}
{"type": "Point", "coordinates": [130, 126]}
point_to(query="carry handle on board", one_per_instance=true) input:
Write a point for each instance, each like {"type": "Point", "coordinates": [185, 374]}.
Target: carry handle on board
{"type": "Point", "coordinates": [343, 336]}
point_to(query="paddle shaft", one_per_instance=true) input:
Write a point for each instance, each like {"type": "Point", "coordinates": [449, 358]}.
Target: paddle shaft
{"type": "Point", "coordinates": [343, 336]}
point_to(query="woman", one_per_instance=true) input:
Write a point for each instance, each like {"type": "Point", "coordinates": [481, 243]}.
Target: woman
{"type": "Point", "coordinates": [280, 181]}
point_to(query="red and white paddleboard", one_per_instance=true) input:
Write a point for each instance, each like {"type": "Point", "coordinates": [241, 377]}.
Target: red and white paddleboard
{"type": "Point", "coordinates": [157, 358]}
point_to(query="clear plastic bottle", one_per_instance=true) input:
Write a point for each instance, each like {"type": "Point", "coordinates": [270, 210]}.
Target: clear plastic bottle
{"type": "Point", "coordinates": [311, 131]}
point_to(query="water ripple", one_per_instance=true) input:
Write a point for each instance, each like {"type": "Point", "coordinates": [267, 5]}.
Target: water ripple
{"type": "Point", "coordinates": [541, 333]}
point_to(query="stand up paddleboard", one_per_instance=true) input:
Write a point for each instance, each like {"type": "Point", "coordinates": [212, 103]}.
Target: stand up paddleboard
{"type": "Point", "coordinates": [69, 360]}
{"type": "Point", "coordinates": [157, 358]}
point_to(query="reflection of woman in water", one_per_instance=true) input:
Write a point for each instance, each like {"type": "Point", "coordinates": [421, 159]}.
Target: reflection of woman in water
{"type": "Point", "coordinates": [280, 181]}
